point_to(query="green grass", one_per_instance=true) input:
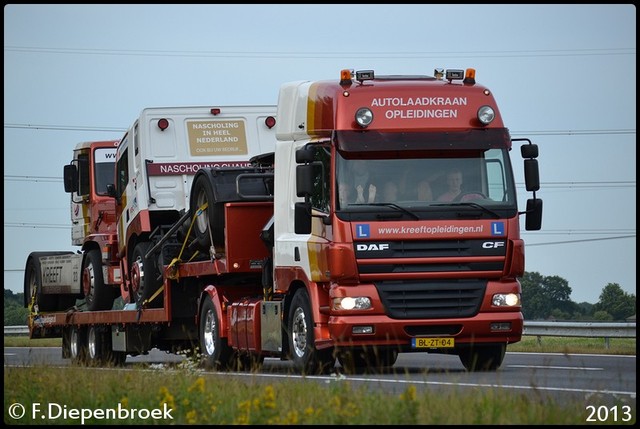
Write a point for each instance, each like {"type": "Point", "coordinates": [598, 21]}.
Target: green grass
{"type": "Point", "coordinates": [194, 397]}
{"type": "Point", "coordinates": [533, 344]}
{"type": "Point", "coordinates": [197, 398]}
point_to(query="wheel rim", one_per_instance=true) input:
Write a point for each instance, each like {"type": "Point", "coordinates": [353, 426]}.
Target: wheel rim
{"type": "Point", "coordinates": [88, 282]}
{"type": "Point", "coordinates": [299, 332]}
{"type": "Point", "coordinates": [209, 333]}
{"type": "Point", "coordinates": [91, 343]}
{"type": "Point", "coordinates": [74, 343]}
{"type": "Point", "coordinates": [137, 276]}
{"type": "Point", "coordinates": [201, 219]}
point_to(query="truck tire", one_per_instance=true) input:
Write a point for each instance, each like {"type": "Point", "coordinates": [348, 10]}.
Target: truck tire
{"type": "Point", "coordinates": [144, 275]}
{"type": "Point", "coordinates": [33, 293]}
{"type": "Point", "coordinates": [203, 193]}
{"type": "Point", "coordinates": [98, 296]}
{"type": "Point", "coordinates": [216, 353]}
{"type": "Point", "coordinates": [358, 360]}
{"type": "Point", "coordinates": [306, 358]}
{"type": "Point", "coordinates": [99, 348]}
{"type": "Point", "coordinates": [78, 345]}
{"type": "Point", "coordinates": [482, 358]}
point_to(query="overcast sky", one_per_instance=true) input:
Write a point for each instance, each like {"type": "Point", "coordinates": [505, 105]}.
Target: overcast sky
{"type": "Point", "coordinates": [563, 75]}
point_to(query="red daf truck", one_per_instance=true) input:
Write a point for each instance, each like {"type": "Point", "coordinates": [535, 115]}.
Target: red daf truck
{"type": "Point", "coordinates": [384, 221]}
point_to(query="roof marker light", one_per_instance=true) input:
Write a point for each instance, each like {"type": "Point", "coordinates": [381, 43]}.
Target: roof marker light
{"type": "Point", "coordinates": [163, 124]}
{"type": "Point", "coordinates": [215, 111]}
{"type": "Point", "coordinates": [270, 122]}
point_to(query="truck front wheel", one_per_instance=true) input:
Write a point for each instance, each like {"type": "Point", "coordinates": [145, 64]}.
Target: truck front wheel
{"type": "Point", "coordinates": [144, 275]}
{"type": "Point", "coordinates": [216, 353]}
{"type": "Point", "coordinates": [482, 358]}
{"type": "Point", "coordinates": [97, 294]}
{"type": "Point", "coordinates": [306, 358]}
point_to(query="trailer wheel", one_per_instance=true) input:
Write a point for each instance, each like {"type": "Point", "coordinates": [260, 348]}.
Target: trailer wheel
{"type": "Point", "coordinates": [216, 353]}
{"type": "Point", "coordinates": [99, 349]}
{"type": "Point", "coordinates": [306, 358]}
{"type": "Point", "coordinates": [97, 294]}
{"type": "Point", "coordinates": [78, 345]}
{"type": "Point", "coordinates": [482, 358]}
{"type": "Point", "coordinates": [144, 275]}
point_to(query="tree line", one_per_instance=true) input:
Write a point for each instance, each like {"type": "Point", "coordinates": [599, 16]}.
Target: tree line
{"type": "Point", "coordinates": [543, 298]}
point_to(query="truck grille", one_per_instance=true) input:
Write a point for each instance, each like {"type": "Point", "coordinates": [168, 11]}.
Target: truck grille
{"type": "Point", "coordinates": [432, 296]}
{"type": "Point", "coordinates": [431, 299]}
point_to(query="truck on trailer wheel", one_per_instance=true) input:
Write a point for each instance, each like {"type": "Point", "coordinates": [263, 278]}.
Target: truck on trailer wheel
{"type": "Point", "coordinates": [384, 220]}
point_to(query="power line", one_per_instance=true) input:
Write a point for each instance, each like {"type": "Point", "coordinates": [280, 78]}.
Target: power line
{"type": "Point", "coordinates": [35, 225]}
{"type": "Point", "coordinates": [63, 127]}
{"type": "Point", "coordinates": [33, 178]}
{"type": "Point", "coordinates": [544, 185]}
{"type": "Point", "coordinates": [327, 54]}
{"type": "Point", "coordinates": [611, 131]}
{"type": "Point", "coordinates": [579, 241]}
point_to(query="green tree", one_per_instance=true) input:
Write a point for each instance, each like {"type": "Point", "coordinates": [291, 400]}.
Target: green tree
{"type": "Point", "coordinates": [602, 316]}
{"type": "Point", "coordinates": [546, 296]}
{"type": "Point", "coordinates": [615, 301]}
{"type": "Point", "coordinates": [14, 311]}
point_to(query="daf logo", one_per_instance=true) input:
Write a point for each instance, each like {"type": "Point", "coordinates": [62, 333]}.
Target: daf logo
{"type": "Point", "coordinates": [372, 247]}
{"type": "Point", "coordinates": [492, 244]}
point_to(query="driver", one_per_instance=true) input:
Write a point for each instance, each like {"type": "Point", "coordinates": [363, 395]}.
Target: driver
{"type": "Point", "coordinates": [454, 185]}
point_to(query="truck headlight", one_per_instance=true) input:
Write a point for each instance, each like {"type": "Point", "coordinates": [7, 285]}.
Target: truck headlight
{"type": "Point", "coordinates": [486, 115]}
{"type": "Point", "coordinates": [506, 300]}
{"type": "Point", "coordinates": [352, 303]}
{"type": "Point", "coordinates": [364, 117]}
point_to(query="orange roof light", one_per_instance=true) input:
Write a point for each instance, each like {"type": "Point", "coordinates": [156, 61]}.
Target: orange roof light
{"type": "Point", "coordinates": [470, 76]}
{"type": "Point", "coordinates": [345, 76]}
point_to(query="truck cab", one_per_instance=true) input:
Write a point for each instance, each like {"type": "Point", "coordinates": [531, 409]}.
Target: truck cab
{"type": "Point", "coordinates": [389, 250]}
{"type": "Point", "coordinates": [157, 160]}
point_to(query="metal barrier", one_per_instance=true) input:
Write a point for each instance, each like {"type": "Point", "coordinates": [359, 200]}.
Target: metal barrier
{"type": "Point", "coordinates": [549, 329]}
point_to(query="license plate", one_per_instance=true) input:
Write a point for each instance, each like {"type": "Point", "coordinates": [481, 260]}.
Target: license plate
{"type": "Point", "coordinates": [432, 343]}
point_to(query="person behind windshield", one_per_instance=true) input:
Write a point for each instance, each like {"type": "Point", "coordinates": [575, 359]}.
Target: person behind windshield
{"type": "Point", "coordinates": [454, 185]}
{"type": "Point", "coordinates": [390, 192]}
{"type": "Point", "coordinates": [360, 188]}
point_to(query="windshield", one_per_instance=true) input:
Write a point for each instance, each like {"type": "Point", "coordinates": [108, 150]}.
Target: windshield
{"type": "Point", "coordinates": [105, 162]}
{"type": "Point", "coordinates": [444, 178]}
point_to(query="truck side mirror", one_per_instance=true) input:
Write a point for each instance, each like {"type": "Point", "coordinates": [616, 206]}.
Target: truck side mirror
{"type": "Point", "coordinates": [70, 175]}
{"type": "Point", "coordinates": [302, 218]}
{"type": "Point", "coordinates": [531, 174]}
{"type": "Point", "coordinates": [533, 219]}
{"type": "Point", "coordinates": [305, 175]}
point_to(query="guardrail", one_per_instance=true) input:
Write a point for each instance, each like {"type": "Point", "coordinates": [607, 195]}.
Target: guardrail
{"type": "Point", "coordinates": [12, 331]}
{"type": "Point", "coordinates": [604, 330]}
{"type": "Point", "coordinates": [550, 329]}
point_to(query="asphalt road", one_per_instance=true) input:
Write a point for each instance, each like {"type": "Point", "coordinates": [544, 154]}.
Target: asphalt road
{"type": "Point", "coordinates": [600, 380]}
